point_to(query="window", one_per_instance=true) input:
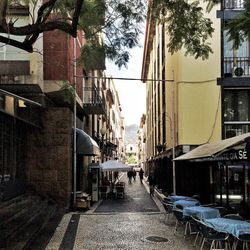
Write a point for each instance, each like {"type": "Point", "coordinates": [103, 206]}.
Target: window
{"type": "Point", "coordinates": [235, 58]}
{"type": "Point", "coordinates": [234, 4]}
{"type": "Point", "coordinates": [236, 112]}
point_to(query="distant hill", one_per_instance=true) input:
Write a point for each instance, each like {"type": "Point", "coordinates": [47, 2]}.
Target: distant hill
{"type": "Point", "coordinates": [131, 133]}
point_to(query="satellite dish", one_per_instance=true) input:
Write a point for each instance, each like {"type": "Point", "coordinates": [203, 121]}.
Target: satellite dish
{"type": "Point", "coordinates": [238, 71]}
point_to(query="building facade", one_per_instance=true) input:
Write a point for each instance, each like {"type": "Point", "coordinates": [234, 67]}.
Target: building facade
{"type": "Point", "coordinates": [193, 102]}
{"type": "Point", "coordinates": [183, 103]}
{"type": "Point", "coordinates": [141, 142]}
{"type": "Point", "coordinates": [38, 116]}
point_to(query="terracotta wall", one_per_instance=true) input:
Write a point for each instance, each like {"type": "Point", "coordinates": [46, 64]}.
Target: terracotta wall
{"type": "Point", "coordinates": [56, 56]}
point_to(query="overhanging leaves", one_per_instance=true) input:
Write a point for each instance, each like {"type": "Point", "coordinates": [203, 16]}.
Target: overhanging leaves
{"type": "Point", "coordinates": [92, 57]}
{"type": "Point", "coordinates": [186, 26]}
{"type": "Point", "coordinates": [239, 28]}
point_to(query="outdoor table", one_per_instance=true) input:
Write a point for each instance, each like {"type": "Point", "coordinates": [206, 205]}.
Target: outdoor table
{"type": "Point", "coordinates": [201, 212]}
{"type": "Point", "coordinates": [186, 203]}
{"type": "Point", "coordinates": [173, 198]}
{"type": "Point", "coordinates": [230, 226]}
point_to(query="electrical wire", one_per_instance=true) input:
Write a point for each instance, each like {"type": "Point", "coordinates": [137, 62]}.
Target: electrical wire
{"type": "Point", "coordinates": [216, 117]}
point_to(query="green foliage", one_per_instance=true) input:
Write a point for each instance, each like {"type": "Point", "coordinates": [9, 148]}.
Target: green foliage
{"type": "Point", "coordinates": [92, 57]}
{"type": "Point", "coordinates": [239, 27]}
{"type": "Point", "coordinates": [186, 26]}
{"type": "Point", "coordinates": [131, 159]}
{"type": "Point", "coordinates": [120, 25]}
{"type": "Point", "coordinates": [211, 4]}
{"type": "Point", "coordinates": [68, 92]}
{"type": "Point", "coordinates": [112, 27]}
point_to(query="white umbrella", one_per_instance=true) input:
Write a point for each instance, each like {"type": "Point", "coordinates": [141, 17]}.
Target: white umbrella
{"type": "Point", "coordinates": [113, 165]}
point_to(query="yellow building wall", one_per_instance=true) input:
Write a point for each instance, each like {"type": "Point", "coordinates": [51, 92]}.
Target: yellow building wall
{"type": "Point", "coordinates": [199, 113]}
{"type": "Point", "coordinates": [197, 102]}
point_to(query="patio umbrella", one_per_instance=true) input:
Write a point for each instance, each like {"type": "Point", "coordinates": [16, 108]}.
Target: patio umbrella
{"type": "Point", "coordinates": [113, 165]}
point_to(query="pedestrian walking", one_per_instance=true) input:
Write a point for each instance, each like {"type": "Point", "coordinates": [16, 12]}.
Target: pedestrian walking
{"type": "Point", "coordinates": [151, 182]}
{"type": "Point", "coordinates": [141, 172]}
{"type": "Point", "coordinates": [130, 174]}
{"type": "Point", "coordinates": [134, 174]}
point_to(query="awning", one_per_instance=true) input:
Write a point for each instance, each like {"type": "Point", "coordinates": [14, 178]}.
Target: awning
{"type": "Point", "coordinates": [85, 145]}
{"type": "Point", "coordinates": [228, 149]}
{"type": "Point", "coordinates": [111, 145]}
{"type": "Point", "coordinates": [114, 165]}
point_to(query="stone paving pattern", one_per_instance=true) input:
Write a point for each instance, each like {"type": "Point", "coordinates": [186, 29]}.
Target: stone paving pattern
{"type": "Point", "coordinates": [114, 225]}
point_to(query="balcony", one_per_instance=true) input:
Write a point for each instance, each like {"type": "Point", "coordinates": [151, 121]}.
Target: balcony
{"type": "Point", "coordinates": [236, 72]}
{"type": "Point", "coordinates": [93, 103]}
{"type": "Point", "coordinates": [236, 66]}
{"type": "Point", "coordinates": [230, 9]}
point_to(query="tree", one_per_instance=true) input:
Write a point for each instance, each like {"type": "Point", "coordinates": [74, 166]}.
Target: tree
{"type": "Point", "coordinates": [118, 22]}
{"type": "Point", "coordinates": [239, 27]}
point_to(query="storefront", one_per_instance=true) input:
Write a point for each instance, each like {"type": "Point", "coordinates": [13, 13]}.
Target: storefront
{"type": "Point", "coordinates": [227, 162]}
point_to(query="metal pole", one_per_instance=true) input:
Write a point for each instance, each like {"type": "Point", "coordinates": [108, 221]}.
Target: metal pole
{"type": "Point", "coordinates": [74, 167]}
{"type": "Point", "coordinates": [173, 131]}
{"type": "Point", "coordinates": [174, 178]}
{"type": "Point", "coordinates": [102, 149]}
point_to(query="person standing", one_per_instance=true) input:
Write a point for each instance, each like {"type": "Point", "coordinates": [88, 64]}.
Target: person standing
{"type": "Point", "coordinates": [141, 172]}
{"type": "Point", "coordinates": [151, 182]}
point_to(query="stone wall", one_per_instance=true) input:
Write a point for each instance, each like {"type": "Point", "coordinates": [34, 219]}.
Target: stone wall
{"type": "Point", "coordinates": [50, 156]}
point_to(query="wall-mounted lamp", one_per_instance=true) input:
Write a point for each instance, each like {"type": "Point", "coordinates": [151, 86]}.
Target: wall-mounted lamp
{"type": "Point", "coordinates": [103, 131]}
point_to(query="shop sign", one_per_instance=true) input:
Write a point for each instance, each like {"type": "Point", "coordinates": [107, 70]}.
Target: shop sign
{"type": "Point", "coordinates": [236, 155]}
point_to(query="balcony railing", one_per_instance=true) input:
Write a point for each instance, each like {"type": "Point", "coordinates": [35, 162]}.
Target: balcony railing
{"type": "Point", "coordinates": [93, 102]}
{"type": "Point", "coordinates": [236, 66]}
{"type": "Point", "coordinates": [234, 4]}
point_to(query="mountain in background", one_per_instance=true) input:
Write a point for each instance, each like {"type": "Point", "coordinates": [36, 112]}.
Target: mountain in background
{"type": "Point", "coordinates": [131, 133]}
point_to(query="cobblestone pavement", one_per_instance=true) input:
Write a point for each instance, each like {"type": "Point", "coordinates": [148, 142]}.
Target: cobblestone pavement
{"type": "Point", "coordinates": [130, 227]}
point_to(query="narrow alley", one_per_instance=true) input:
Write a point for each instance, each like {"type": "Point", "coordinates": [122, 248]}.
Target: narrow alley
{"type": "Point", "coordinates": [135, 222]}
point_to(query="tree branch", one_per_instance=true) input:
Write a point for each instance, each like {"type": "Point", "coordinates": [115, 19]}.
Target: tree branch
{"type": "Point", "coordinates": [21, 45]}
{"type": "Point", "coordinates": [41, 25]}
{"type": "Point", "coordinates": [78, 7]}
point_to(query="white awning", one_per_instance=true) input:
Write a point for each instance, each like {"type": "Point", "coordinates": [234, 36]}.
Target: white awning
{"type": "Point", "coordinates": [85, 144]}
{"type": "Point", "coordinates": [114, 165]}
{"type": "Point", "coordinates": [209, 151]}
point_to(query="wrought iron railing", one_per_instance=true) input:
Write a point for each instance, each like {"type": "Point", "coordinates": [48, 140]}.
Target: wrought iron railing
{"type": "Point", "coordinates": [92, 95]}
{"type": "Point", "coordinates": [93, 100]}
{"type": "Point", "coordinates": [234, 4]}
{"type": "Point", "coordinates": [236, 66]}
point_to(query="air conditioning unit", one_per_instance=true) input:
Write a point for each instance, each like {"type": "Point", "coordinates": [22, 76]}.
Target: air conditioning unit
{"type": "Point", "coordinates": [237, 71]}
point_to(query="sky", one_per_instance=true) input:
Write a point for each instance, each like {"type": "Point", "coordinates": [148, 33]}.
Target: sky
{"type": "Point", "coordinates": [131, 93]}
